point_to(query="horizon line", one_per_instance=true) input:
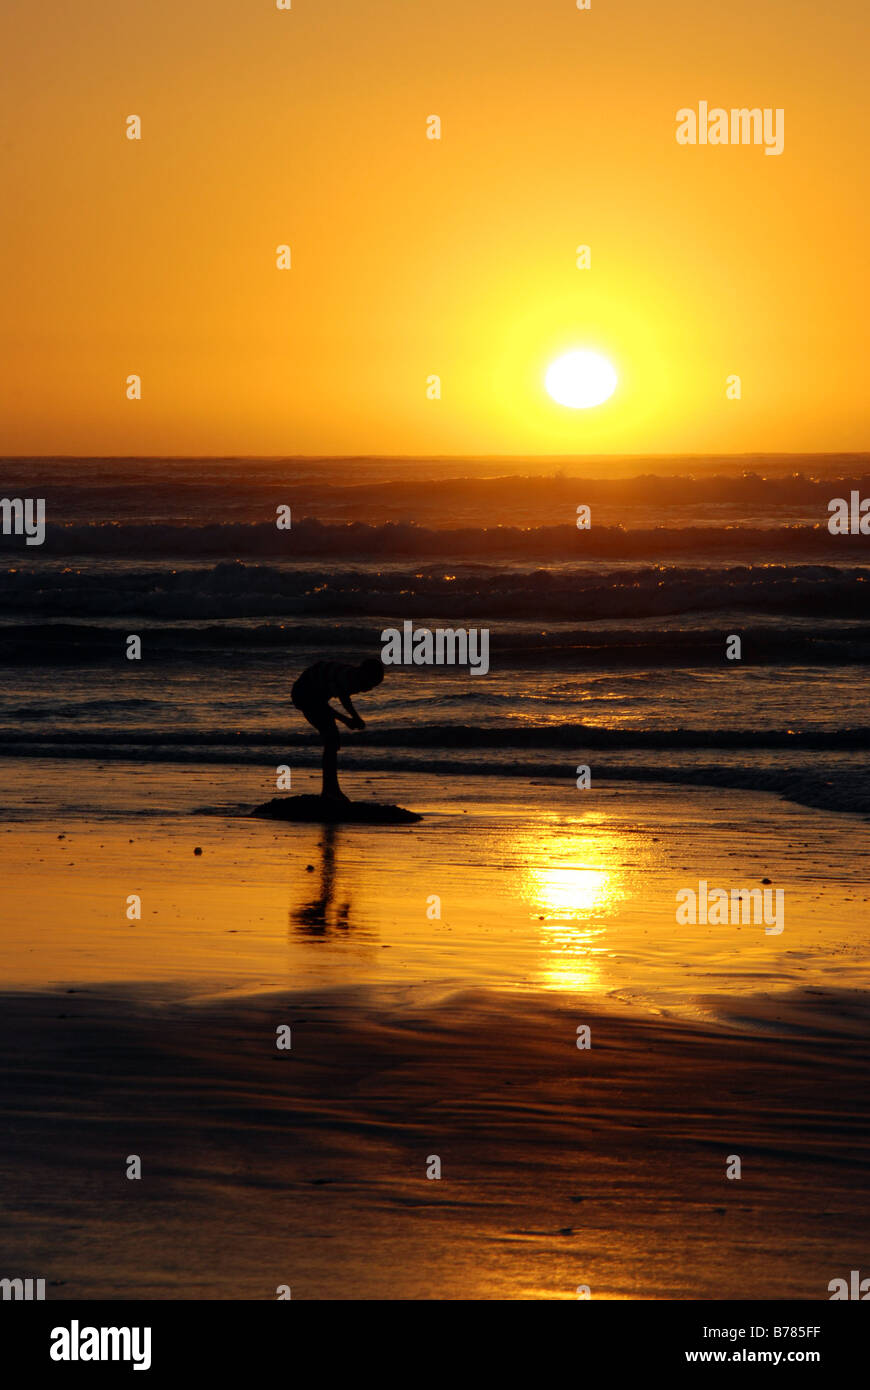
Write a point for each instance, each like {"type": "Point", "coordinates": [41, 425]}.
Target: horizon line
{"type": "Point", "coordinates": [441, 458]}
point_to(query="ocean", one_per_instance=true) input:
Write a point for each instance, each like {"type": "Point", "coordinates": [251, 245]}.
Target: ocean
{"type": "Point", "coordinates": [607, 644]}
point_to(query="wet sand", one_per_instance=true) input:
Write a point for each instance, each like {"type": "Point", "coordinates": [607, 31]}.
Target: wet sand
{"type": "Point", "coordinates": [559, 1167]}
{"type": "Point", "coordinates": [415, 1036]}
{"type": "Point", "coordinates": [538, 886]}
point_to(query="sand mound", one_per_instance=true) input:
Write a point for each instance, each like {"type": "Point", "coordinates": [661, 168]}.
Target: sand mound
{"type": "Point", "coordinates": [323, 812]}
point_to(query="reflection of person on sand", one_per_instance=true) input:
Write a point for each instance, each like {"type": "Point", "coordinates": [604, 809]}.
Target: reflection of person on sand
{"type": "Point", "coordinates": [318, 917]}
{"type": "Point", "coordinates": [311, 694]}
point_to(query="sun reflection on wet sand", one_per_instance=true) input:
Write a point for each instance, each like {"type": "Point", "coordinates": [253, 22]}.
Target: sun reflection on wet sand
{"type": "Point", "coordinates": [571, 879]}
{"type": "Point", "coordinates": [569, 893]}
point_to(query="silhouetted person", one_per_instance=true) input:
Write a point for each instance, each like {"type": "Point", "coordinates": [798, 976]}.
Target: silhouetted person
{"type": "Point", "coordinates": [311, 694]}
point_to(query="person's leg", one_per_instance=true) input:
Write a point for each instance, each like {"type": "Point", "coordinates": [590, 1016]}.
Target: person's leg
{"type": "Point", "coordinates": [330, 787]}
{"type": "Point", "coordinates": [323, 720]}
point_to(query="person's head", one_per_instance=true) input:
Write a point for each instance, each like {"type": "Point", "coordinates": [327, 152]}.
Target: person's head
{"type": "Point", "coordinates": [369, 673]}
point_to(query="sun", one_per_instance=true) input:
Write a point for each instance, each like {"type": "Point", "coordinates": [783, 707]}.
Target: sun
{"type": "Point", "coordinates": [580, 379]}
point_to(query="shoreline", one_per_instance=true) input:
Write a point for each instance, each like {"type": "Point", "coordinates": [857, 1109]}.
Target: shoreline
{"type": "Point", "coordinates": [841, 789]}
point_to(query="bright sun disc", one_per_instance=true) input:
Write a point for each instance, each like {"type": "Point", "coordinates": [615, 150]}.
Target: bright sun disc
{"type": "Point", "coordinates": [580, 379]}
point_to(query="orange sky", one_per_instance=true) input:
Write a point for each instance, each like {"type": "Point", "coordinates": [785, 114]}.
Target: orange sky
{"type": "Point", "coordinates": [413, 257]}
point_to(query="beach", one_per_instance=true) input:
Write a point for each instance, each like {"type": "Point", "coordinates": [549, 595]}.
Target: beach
{"type": "Point", "coordinates": [628, 1089]}
{"type": "Point", "coordinates": [562, 1167]}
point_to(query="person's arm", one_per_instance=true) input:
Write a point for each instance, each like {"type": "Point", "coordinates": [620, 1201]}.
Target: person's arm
{"type": "Point", "coordinates": [354, 722]}
{"type": "Point", "coordinates": [336, 714]}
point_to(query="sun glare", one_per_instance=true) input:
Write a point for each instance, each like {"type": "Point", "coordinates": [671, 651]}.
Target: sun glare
{"type": "Point", "coordinates": [580, 379]}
